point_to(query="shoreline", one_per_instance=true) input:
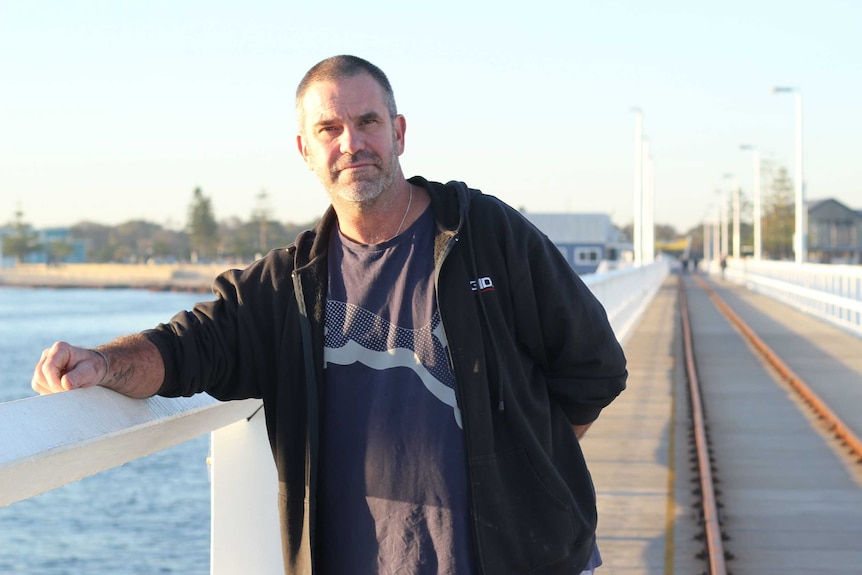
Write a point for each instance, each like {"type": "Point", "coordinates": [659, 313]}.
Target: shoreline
{"type": "Point", "coordinates": [154, 277]}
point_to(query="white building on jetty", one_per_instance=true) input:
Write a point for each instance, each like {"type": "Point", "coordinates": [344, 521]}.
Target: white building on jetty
{"type": "Point", "coordinates": [585, 240]}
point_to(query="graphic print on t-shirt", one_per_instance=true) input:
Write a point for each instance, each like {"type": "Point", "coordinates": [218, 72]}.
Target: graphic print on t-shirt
{"type": "Point", "coordinates": [374, 342]}
{"type": "Point", "coordinates": [392, 486]}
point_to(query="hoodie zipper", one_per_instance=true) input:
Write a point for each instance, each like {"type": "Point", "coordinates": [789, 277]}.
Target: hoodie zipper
{"type": "Point", "coordinates": [438, 266]}
{"type": "Point", "coordinates": [480, 561]}
{"type": "Point", "coordinates": [311, 406]}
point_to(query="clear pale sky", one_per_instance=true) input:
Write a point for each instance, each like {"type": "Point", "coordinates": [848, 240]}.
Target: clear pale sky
{"type": "Point", "coordinates": [117, 110]}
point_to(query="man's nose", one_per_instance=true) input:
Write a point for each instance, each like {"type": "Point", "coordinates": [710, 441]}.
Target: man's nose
{"type": "Point", "coordinates": [352, 141]}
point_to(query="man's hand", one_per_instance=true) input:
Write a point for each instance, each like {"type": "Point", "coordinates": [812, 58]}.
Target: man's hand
{"type": "Point", "coordinates": [130, 365]}
{"type": "Point", "coordinates": [580, 430]}
{"type": "Point", "coordinates": [63, 367]}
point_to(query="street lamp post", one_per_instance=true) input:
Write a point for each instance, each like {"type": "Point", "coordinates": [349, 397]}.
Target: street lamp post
{"type": "Point", "coordinates": [799, 237]}
{"type": "Point", "coordinates": [757, 215]}
{"type": "Point", "coordinates": [716, 235]}
{"type": "Point", "coordinates": [707, 237]}
{"type": "Point", "coordinates": [648, 228]}
{"type": "Point", "coordinates": [725, 236]}
{"type": "Point", "coordinates": [705, 240]}
{"type": "Point", "coordinates": [736, 231]}
{"type": "Point", "coordinates": [637, 212]}
{"type": "Point", "coordinates": [735, 204]}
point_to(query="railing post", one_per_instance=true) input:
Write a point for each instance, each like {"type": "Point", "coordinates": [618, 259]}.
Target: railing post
{"type": "Point", "coordinates": [245, 525]}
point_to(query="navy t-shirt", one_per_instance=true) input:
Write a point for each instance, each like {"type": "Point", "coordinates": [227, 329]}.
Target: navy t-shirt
{"type": "Point", "coordinates": [392, 485]}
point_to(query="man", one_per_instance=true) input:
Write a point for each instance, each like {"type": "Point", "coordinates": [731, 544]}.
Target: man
{"type": "Point", "coordinates": [427, 361]}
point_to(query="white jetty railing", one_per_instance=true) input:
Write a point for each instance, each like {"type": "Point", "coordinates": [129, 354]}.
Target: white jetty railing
{"type": "Point", "coordinates": [49, 441]}
{"type": "Point", "coordinates": [830, 292]}
{"type": "Point", "coordinates": [627, 292]}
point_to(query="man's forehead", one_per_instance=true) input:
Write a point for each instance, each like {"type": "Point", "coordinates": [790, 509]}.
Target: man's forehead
{"type": "Point", "coordinates": [352, 96]}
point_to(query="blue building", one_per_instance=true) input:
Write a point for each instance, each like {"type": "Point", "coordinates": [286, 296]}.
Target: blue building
{"type": "Point", "coordinates": [47, 239]}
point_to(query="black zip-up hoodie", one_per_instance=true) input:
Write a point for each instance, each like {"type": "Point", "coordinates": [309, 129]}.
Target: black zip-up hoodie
{"type": "Point", "coordinates": [531, 348]}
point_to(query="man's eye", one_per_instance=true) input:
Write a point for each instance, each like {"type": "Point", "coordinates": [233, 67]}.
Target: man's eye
{"type": "Point", "coordinates": [328, 129]}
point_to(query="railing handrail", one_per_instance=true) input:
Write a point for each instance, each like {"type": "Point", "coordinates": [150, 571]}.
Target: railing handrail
{"type": "Point", "coordinates": [626, 292]}
{"type": "Point", "coordinates": [53, 440]}
{"type": "Point", "coordinates": [832, 293]}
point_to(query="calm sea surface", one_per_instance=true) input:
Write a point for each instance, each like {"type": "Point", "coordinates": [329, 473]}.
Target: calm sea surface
{"type": "Point", "coordinates": [150, 516]}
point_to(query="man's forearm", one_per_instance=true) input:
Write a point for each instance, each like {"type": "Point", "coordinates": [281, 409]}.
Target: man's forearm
{"type": "Point", "coordinates": [134, 366]}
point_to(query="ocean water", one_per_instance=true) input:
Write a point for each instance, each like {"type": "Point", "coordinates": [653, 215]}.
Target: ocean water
{"type": "Point", "coordinates": [150, 516]}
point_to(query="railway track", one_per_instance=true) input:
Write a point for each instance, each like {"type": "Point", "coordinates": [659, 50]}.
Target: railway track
{"type": "Point", "coordinates": [721, 535]}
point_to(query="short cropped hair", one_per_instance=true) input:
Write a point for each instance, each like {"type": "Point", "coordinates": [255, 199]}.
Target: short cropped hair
{"type": "Point", "coordinates": [340, 67]}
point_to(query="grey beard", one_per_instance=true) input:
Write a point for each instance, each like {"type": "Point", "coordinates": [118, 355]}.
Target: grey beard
{"type": "Point", "coordinates": [366, 190]}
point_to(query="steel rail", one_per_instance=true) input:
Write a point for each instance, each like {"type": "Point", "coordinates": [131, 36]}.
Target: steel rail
{"type": "Point", "coordinates": [833, 422]}
{"type": "Point", "coordinates": [712, 525]}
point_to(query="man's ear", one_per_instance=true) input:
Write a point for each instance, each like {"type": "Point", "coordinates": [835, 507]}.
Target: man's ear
{"type": "Point", "coordinates": [303, 150]}
{"type": "Point", "coordinates": [400, 127]}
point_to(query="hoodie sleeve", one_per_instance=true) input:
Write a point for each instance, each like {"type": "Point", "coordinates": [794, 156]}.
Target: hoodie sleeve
{"type": "Point", "coordinates": [566, 330]}
{"type": "Point", "coordinates": [220, 347]}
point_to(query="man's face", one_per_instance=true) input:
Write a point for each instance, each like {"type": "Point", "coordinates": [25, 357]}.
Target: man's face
{"type": "Point", "coordinates": [348, 138]}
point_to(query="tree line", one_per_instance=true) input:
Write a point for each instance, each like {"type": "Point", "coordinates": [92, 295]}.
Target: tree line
{"type": "Point", "coordinates": [205, 239]}
{"type": "Point", "coordinates": [136, 241]}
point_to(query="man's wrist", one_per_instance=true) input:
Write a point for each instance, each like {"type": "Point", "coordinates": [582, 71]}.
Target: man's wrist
{"type": "Point", "coordinates": [107, 365]}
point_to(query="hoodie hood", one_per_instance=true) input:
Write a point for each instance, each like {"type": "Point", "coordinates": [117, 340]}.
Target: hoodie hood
{"type": "Point", "coordinates": [450, 203]}
{"type": "Point", "coordinates": [450, 209]}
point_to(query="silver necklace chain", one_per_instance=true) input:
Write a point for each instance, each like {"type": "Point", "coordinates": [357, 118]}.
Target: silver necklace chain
{"type": "Point", "coordinates": [407, 211]}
